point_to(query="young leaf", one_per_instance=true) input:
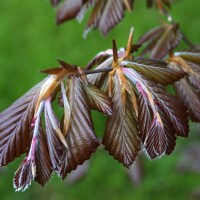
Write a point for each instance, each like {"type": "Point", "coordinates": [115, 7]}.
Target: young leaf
{"type": "Point", "coordinates": [121, 134]}
{"type": "Point", "coordinates": [68, 10]}
{"type": "Point", "coordinates": [160, 40]}
{"type": "Point", "coordinates": [111, 13]}
{"type": "Point", "coordinates": [15, 125]}
{"type": "Point", "coordinates": [37, 163]}
{"type": "Point", "coordinates": [23, 176]}
{"type": "Point", "coordinates": [105, 14]}
{"type": "Point", "coordinates": [191, 98]}
{"type": "Point", "coordinates": [98, 100]}
{"type": "Point", "coordinates": [155, 102]}
{"type": "Point", "coordinates": [55, 145]}
{"type": "Point", "coordinates": [105, 60]}
{"type": "Point", "coordinates": [44, 166]}
{"type": "Point", "coordinates": [192, 55]}
{"type": "Point", "coordinates": [188, 88]}
{"type": "Point", "coordinates": [155, 71]}
{"type": "Point", "coordinates": [81, 139]}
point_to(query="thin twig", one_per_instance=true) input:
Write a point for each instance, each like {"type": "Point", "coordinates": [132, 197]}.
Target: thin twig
{"type": "Point", "coordinates": [169, 17]}
{"type": "Point", "coordinates": [107, 69]}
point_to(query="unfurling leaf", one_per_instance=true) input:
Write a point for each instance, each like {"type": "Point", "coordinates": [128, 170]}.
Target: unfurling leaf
{"type": "Point", "coordinates": [81, 139]}
{"type": "Point", "coordinates": [53, 81]}
{"type": "Point", "coordinates": [121, 134]}
{"type": "Point", "coordinates": [63, 146]}
{"type": "Point", "coordinates": [32, 167]}
{"type": "Point", "coordinates": [55, 145]}
{"type": "Point", "coordinates": [160, 114]}
{"type": "Point", "coordinates": [43, 165]}
{"type": "Point", "coordinates": [160, 40]}
{"type": "Point", "coordinates": [140, 111]}
{"type": "Point", "coordinates": [154, 104]}
{"type": "Point", "coordinates": [105, 60]}
{"type": "Point", "coordinates": [97, 99]}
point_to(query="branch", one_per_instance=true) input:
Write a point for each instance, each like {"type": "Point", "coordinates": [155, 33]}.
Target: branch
{"type": "Point", "coordinates": [107, 69]}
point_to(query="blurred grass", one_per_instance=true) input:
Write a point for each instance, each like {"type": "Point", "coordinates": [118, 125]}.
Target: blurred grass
{"type": "Point", "coordinates": [30, 41]}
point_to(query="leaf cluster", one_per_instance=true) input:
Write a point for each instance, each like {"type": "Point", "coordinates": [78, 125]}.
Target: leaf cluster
{"type": "Point", "coordinates": [105, 14]}
{"type": "Point", "coordinates": [142, 115]}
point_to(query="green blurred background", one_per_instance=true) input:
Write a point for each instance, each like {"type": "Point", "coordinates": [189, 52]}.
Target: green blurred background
{"type": "Point", "coordinates": [30, 41]}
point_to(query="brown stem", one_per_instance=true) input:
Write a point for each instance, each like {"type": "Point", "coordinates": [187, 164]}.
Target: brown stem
{"type": "Point", "coordinates": [107, 69]}
{"type": "Point", "coordinates": [169, 17]}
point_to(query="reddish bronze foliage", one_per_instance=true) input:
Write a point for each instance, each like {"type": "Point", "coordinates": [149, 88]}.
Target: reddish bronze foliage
{"type": "Point", "coordinates": [105, 14]}
{"type": "Point", "coordinates": [141, 113]}
{"type": "Point", "coordinates": [188, 88]}
{"type": "Point", "coordinates": [160, 40]}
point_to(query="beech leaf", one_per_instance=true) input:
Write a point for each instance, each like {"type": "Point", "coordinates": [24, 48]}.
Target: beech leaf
{"type": "Point", "coordinates": [160, 40]}
{"type": "Point", "coordinates": [44, 167]}
{"type": "Point", "coordinates": [24, 174]}
{"type": "Point", "coordinates": [121, 133]}
{"type": "Point", "coordinates": [98, 100]}
{"type": "Point", "coordinates": [154, 104]}
{"type": "Point", "coordinates": [105, 14]}
{"type": "Point", "coordinates": [68, 10]}
{"type": "Point", "coordinates": [155, 71]}
{"type": "Point", "coordinates": [192, 55]}
{"type": "Point", "coordinates": [191, 98]}
{"type": "Point", "coordinates": [188, 88]}
{"type": "Point", "coordinates": [81, 139]}
{"type": "Point", "coordinates": [15, 125]}
{"type": "Point", "coordinates": [55, 145]}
